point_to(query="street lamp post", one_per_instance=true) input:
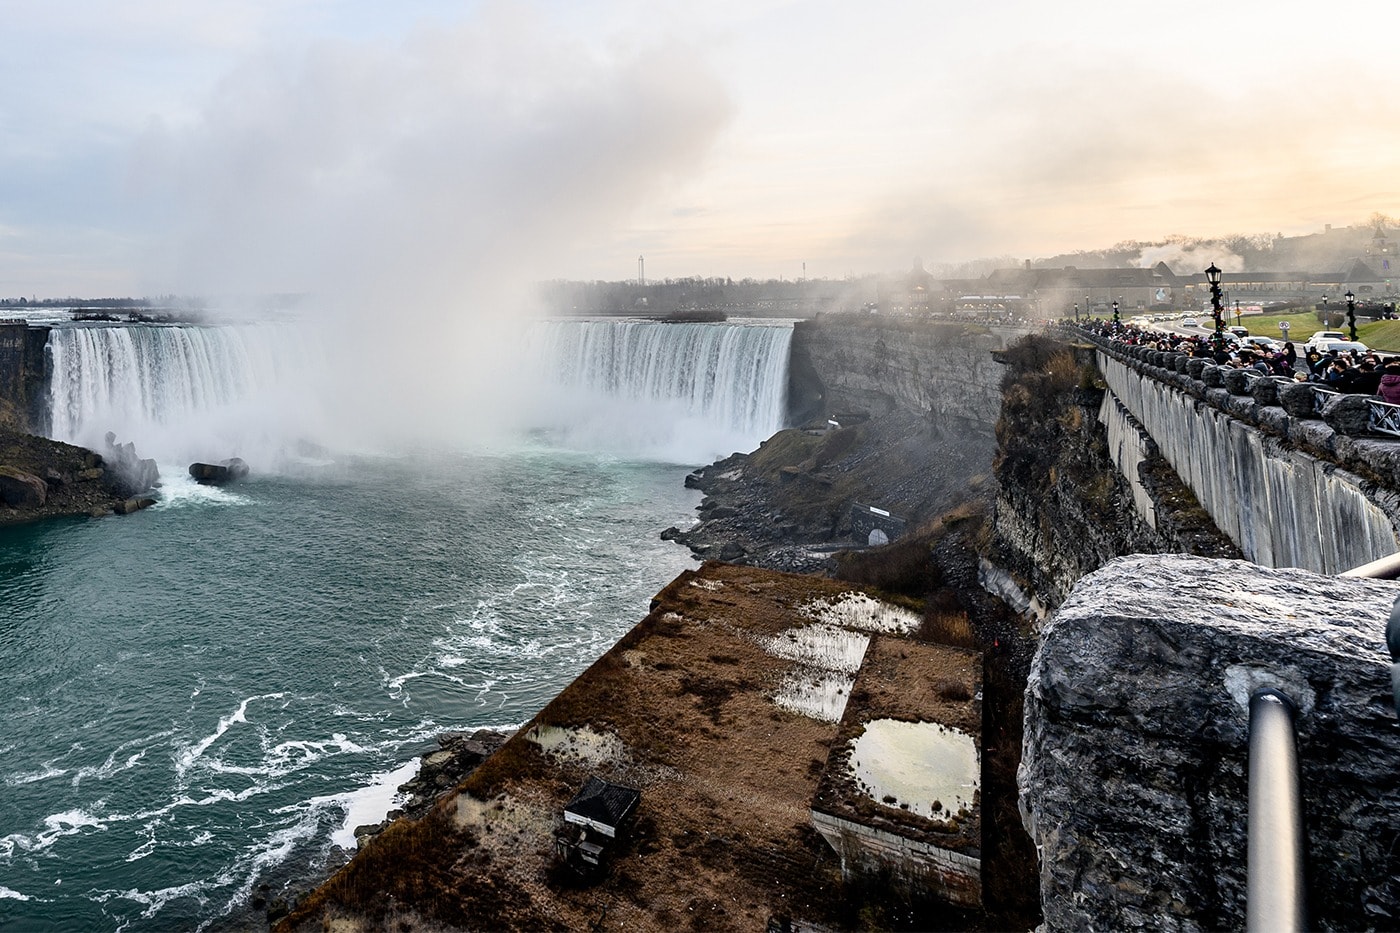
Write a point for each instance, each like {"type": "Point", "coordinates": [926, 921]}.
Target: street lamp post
{"type": "Point", "coordinates": [1213, 277]}
{"type": "Point", "coordinates": [1076, 311]}
{"type": "Point", "coordinates": [1351, 313]}
{"type": "Point", "coordinates": [1115, 314]}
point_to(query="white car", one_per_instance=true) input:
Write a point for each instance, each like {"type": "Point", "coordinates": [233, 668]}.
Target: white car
{"type": "Point", "coordinates": [1267, 344]}
{"type": "Point", "coordinates": [1190, 322]}
{"type": "Point", "coordinates": [1316, 341]}
{"type": "Point", "coordinates": [1342, 346]}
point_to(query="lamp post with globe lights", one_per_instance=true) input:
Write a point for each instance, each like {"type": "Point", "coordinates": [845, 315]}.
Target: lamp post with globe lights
{"type": "Point", "coordinates": [1213, 277]}
{"type": "Point", "coordinates": [1351, 313]}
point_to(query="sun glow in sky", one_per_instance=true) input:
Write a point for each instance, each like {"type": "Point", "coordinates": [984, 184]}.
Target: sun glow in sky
{"type": "Point", "coordinates": [150, 146]}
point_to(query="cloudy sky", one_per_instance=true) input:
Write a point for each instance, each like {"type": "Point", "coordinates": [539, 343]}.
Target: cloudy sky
{"type": "Point", "coordinates": [154, 146]}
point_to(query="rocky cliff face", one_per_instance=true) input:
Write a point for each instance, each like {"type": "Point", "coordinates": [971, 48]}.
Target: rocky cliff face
{"type": "Point", "coordinates": [874, 366]}
{"type": "Point", "coordinates": [897, 415]}
{"type": "Point", "coordinates": [1062, 509]}
{"type": "Point", "coordinates": [21, 375]}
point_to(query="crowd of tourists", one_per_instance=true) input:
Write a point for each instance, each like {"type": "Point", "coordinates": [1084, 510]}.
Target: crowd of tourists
{"type": "Point", "coordinates": [1356, 370]}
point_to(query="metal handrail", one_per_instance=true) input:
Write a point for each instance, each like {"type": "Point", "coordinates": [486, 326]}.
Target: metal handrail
{"type": "Point", "coordinates": [1321, 397]}
{"type": "Point", "coordinates": [1385, 568]}
{"type": "Point", "coordinates": [1385, 417]}
{"type": "Point", "coordinates": [1276, 893]}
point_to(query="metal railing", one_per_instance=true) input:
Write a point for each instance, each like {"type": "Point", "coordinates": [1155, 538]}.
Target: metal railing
{"type": "Point", "coordinates": [1321, 397]}
{"type": "Point", "coordinates": [1385, 417]}
{"type": "Point", "coordinates": [1276, 894]}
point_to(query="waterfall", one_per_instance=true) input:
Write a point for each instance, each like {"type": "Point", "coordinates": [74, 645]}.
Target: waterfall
{"type": "Point", "coordinates": [677, 393]}
{"type": "Point", "coordinates": [181, 392]}
{"type": "Point", "coordinates": [680, 392]}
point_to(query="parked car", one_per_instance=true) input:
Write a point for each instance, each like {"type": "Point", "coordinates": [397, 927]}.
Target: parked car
{"type": "Point", "coordinates": [1316, 341]}
{"type": "Point", "coordinates": [1343, 346]}
{"type": "Point", "coordinates": [1238, 331]}
{"type": "Point", "coordinates": [1261, 343]}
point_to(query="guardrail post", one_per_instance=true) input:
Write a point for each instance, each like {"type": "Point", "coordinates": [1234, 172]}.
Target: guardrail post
{"type": "Point", "coordinates": [1276, 891]}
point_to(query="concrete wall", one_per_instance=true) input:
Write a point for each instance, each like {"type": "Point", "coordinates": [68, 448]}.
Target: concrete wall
{"type": "Point", "coordinates": [1283, 506]}
{"type": "Point", "coordinates": [870, 850]}
{"type": "Point", "coordinates": [1129, 446]}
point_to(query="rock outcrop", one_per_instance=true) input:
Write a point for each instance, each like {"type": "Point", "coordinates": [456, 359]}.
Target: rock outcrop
{"type": "Point", "coordinates": [40, 478]}
{"type": "Point", "coordinates": [131, 474]}
{"type": "Point", "coordinates": [1063, 509]}
{"type": "Point", "coordinates": [439, 772]}
{"type": "Point", "coordinates": [1134, 777]}
{"type": "Point", "coordinates": [219, 474]}
{"type": "Point", "coordinates": [898, 415]}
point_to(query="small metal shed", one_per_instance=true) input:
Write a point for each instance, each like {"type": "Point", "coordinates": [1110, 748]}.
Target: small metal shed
{"type": "Point", "coordinates": [602, 806]}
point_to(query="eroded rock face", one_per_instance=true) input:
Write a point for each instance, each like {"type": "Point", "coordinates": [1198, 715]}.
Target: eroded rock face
{"type": "Point", "coordinates": [1134, 775]}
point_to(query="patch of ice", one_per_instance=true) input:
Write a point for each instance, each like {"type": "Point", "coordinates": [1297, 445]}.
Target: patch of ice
{"type": "Point", "coordinates": [916, 765]}
{"type": "Point", "coordinates": [823, 646]}
{"type": "Point", "coordinates": [857, 610]}
{"type": "Point", "coordinates": [816, 694]}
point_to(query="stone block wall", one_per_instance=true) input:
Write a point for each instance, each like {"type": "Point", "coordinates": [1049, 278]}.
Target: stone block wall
{"type": "Point", "coordinates": [1135, 767]}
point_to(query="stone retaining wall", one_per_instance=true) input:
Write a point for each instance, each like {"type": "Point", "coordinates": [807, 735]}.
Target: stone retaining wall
{"type": "Point", "coordinates": [1290, 489]}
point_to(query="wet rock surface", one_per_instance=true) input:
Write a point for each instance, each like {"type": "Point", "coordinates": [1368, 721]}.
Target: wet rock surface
{"type": "Point", "coordinates": [440, 770]}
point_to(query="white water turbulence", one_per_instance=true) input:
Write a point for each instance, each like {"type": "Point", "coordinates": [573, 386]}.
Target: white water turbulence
{"type": "Point", "coordinates": [669, 392]}
{"type": "Point", "coordinates": [186, 393]}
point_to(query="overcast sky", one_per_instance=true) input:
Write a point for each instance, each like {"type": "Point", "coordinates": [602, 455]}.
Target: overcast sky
{"type": "Point", "coordinates": [154, 146]}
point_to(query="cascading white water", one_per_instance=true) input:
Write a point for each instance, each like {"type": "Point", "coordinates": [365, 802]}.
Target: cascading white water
{"type": "Point", "coordinates": [679, 393]}
{"type": "Point", "coordinates": [682, 392]}
{"type": "Point", "coordinates": [181, 391]}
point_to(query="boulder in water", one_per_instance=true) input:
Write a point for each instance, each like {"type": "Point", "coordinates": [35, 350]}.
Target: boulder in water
{"type": "Point", "coordinates": [127, 506]}
{"type": "Point", "coordinates": [219, 474]}
{"type": "Point", "coordinates": [21, 490]}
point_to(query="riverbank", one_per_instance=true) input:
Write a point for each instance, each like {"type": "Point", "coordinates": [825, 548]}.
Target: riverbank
{"type": "Point", "coordinates": [797, 500]}
{"type": "Point", "coordinates": [43, 479]}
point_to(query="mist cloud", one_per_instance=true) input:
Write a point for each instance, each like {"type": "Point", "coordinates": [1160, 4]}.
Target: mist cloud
{"type": "Point", "coordinates": [417, 189]}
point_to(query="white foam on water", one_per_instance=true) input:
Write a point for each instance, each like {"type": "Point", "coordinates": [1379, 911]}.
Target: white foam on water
{"type": "Point", "coordinates": [6, 893]}
{"type": "Point", "coordinates": [33, 777]}
{"type": "Point", "coordinates": [917, 764]}
{"type": "Point", "coordinates": [187, 758]}
{"type": "Point", "coordinates": [153, 901]}
{"type": "Point", "coordinates": [179, 490]}
{"type": "Point", "coordinates": [56, 826]}
{"type": "Point", "coordinates": [367, 804]}
{"type": "Point", "coordinates": [857, 610]}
